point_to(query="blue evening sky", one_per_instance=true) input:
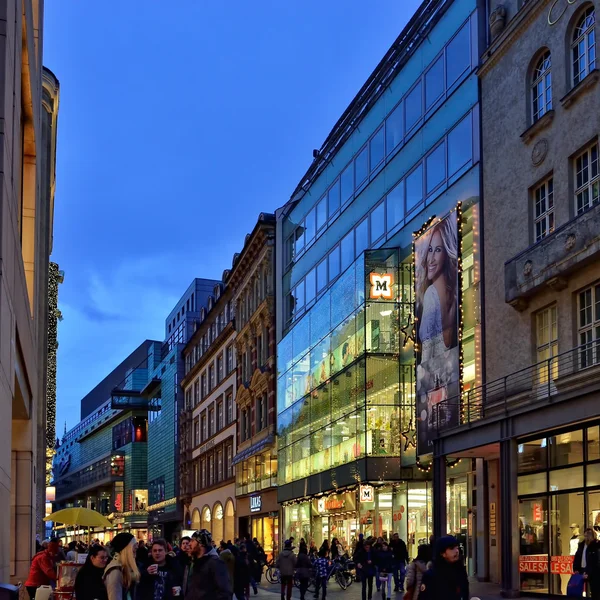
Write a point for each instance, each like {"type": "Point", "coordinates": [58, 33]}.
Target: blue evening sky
{"type": "Point", "coordinates": [179, 123]}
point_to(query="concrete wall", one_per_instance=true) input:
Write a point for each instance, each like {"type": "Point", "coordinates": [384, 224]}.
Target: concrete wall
{"type": "Point", "coordinates": [512, 166]}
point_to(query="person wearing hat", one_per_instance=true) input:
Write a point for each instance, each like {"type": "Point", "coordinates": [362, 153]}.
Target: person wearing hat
{"type": "Point", "coordinates": [208, 578]}
{"type": "Point", "coordinates": [448, 577]}
{"type": "Point", "coordinates": [286, 563]}
{"type": "Point", "coordinates": [122, 574]}
{"type": "Point", "coordinates": [43, 569]}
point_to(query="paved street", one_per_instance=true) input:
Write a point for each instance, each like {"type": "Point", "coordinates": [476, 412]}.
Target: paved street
{"type": "Point", "coordinates": [485, 591]}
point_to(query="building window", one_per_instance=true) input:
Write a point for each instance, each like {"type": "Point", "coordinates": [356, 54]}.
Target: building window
{"type": "Point", "coordinates": [211, 377]}
{"type": "Point", "coordinates": [583, 47]}
{"type": "Point", "coordinates": [211, 421]}
{"type": "Point", "coordinates": [220, 423]}
{"type": "Point", "coordinates": [261, 413]}
{"type": "Point", "coordinates": [541, 91]}
{"type": "Point", "coordinates": [587, 179]}
{"type": "Point", "coordinates": [589, 326]}
{"type": "Point", "coordinates": [229, 461]}
{"type": "Point", "coordinates": [204, 385]}
{"type": "Point", "coordinates": [220, 464]}
{"type": "Point", "coordinates": [229, 408]}
{"type": "Point", "coordinates": [220, 368]}
{"type": "Point", "coordinates": [203, 427]}
{"type": "Point", "coordinates": [211, 469]}
{"type": "Point", "coordinates": [196, 432]}
{"type": "Point", "coordinates": [196, 392]}
{"type": "Point", "coordinates": [546, 342]}
{"type": "Point", "coordinates": [229, 358]}
{"type": "Point", "coordinates": [188, 399]}
{"type": "Point", "coordinates": [259, 350]}
{"type": "Point", "coordinates": [543, 196]}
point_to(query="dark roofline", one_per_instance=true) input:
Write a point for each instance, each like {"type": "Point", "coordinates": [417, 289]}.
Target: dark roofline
{"type": "Point", "coordinates": [416, 30]}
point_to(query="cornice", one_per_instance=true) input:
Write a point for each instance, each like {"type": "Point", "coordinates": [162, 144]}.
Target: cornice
{"type": "Point", "coordinates": [513, 30]}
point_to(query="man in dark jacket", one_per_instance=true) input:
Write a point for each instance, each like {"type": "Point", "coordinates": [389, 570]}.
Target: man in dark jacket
{"type": "Point", "coordinates": [207, 578]}
{"type": "Point", "coordinates": [400, 559]}
{"type": "Point", "coordinates": [447, 578]}
{"type": "Point", "coordinates": [586, 562]}
{"type": "Point", "coordinates": [162, 576]}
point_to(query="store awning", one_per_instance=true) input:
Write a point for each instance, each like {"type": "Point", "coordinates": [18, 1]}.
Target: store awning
{"type": "Point", "coordinates": [254, 449]}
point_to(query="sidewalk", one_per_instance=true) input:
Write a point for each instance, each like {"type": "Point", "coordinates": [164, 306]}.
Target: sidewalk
{"type": "Point", "coordinates": [267, 591]}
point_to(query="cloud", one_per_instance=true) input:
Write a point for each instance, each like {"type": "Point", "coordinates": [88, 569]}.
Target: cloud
{"type": "Point", "coordinates": [104, 321]}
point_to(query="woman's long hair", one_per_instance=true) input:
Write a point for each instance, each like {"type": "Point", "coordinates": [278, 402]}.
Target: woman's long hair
{"type": "Point", "coordinates": [129, 568]}
{"type": "Point", "coordinates": [448, 232]}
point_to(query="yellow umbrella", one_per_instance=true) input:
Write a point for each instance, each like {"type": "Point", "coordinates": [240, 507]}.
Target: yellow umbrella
{"type": "Point", "coordinates": [79, 516]}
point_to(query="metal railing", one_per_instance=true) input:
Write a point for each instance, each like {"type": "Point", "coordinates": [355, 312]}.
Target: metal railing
{"type": "Point", "coordinates": [537, 382]}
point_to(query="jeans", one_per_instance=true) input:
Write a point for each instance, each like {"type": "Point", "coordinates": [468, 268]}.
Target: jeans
{"type": "Point", "coordinates": [303, 581]}
{"type": "Point", "coordinates": [367, 580]}
{"type": "Point", "coordinates": [386, 585]}
{"type": "Point", "coordinates": [399, 574]}
{"type": "Point", "coordinates": [377, 582]}
{"type": "Point", "coordinates": [321, 582]}
{"type": "Point", "coordinates": [287, 581]}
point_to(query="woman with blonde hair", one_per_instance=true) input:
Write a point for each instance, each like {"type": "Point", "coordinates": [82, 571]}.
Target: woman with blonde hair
{"type": "Point", "coordinates": [122, 573]}
{"type": "Point", "coordinates": [437, 279]}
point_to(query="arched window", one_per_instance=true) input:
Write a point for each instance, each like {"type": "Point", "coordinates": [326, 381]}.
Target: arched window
{"type": "Point", "coordinates": [541, 87]}
{"type": "Point", "coordinates": [229, 529]}
{"type": "Point", "coordinates": [583, 46]}
{"type": "Point", "coordinates": [217, 523]}
{"type": "Point", "coordinates": [196, 519]}
{"type": "Point", "coordinates": [206, 519]}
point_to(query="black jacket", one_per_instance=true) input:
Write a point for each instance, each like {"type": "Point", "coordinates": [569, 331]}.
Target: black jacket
{"type": "Point", "coordinates": [592, 558]}
{"type": "Point", "coordinates": [209, 579]}
{"type": "Point", "coordinates": [385, 561]}
{"type": "Point", "coordinates": [400, 551]}
{"type": "Point", "coordinates": [89, 584]}
{"type": "Point", "coordinates": [445, 580]}
{"type": "Point", "coordinates": [170, 575]}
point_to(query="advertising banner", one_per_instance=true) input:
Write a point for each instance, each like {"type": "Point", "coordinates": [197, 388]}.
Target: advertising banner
{"type": "Point", "coordinates": [437, 320]}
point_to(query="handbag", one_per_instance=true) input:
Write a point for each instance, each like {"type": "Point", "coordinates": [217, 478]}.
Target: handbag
{"type": "Point", "coordinates": [575, 586]}
{"type": "Point", "coordinates": [383, 577]}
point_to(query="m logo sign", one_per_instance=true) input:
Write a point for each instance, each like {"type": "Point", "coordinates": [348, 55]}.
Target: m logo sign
{"type": "Point", "coordinates": [381, 286]}
{"type": "Point", "coordinates": [367, 493]}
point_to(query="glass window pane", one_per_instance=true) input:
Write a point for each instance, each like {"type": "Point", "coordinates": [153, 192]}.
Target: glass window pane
{"type": "Point", "coordinates": [334, 263]}
{"type": "Point", "coordinates": [310, 285]}
{"type": "Point", "coordinates": [414, 188]}
{"type": "Point", "coordinates": [347, 248]}
{"type": "Point", "coordinates": [376, 149]}
{"type": "Point", "coordinates": [460, 145]}
{"type": "Point", "coordinates": [414, 107]}
{"type": "Point", "coordinates": [534, 544]}
{"type": "Point", "coordinates": [458, 55]}
{"type": "Point", "coordinates": [436, 168]}
{"type": "Point", "coordinates": [395, 206]}
{"type": "Point", "coordinates": [321, 275]}
{"type": "Point", "coordinates": [532, 456]}
{"type": "Point", "coordinates": [532, 484]}
{"type": "Point", "coordinates": [566, 448]}
{"type": "Point", "coordinates": [593, 443]}
{"type": "Point", "coordinates": [333, 198]}
{"type": "Point", "coordinates": [566, 479]}
{"type": "Point", "coordinates": [361, 166]}
{"type": "Point", "coordinates": [394, 127]}
{"type": "Point", "coordinates": [434, 83]}
{"type": "Point", "coordinates": [377, 222]}
{"type": "Point", "coordinates": [299, 243]}
{"type": "Point", "coordinates": [594, 510]}
{"type": "Point", "coordinates": [362, 237]}
{"type": "Point", "coordinates": [593, 475]}
{"type": "Point", "coordinates": [347, 183]}
{"type": "Point", "coordinates": [310, 226]}
{"type": "Point", "coordinates": [321, 213]}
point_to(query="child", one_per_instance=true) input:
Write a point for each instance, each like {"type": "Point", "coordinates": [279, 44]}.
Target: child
{"type": "Point", "coordinates": [322, 572]}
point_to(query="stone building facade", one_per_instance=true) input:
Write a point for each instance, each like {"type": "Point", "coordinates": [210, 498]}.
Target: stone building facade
{"type": "Point", "coordinates": [208, 426]}
{"type": "Point", "coordinates": [26, 205]}
{"type": "Point", "coordinates": [252, 282]}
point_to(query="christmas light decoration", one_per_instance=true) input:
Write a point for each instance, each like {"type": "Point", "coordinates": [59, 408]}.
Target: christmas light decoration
{"type": "Point", "coordinates": [55, 277]}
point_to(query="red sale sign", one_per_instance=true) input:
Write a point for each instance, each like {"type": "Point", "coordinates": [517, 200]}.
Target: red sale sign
{"type": "Point", "coordinates": [561, 565]}
{"type": "Point", "coordinates": [537, 563]}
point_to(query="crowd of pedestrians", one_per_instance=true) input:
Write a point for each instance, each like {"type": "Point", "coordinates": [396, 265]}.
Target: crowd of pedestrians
{"type": "Point", "coordinates": [199, 570]}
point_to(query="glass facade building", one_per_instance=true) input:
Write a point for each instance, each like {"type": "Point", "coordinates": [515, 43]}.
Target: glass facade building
{"type": "Point", "coordinates": [346, 388]}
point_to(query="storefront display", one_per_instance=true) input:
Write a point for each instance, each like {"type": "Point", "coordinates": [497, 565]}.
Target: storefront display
{"type": "Point", "coordinates": [258, 517]}
{"type": "Point", "coordinates": [559, 497]}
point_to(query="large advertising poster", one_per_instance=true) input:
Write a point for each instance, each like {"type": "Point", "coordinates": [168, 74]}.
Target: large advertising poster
{"type": "Point", "coordinates": [437, 312]}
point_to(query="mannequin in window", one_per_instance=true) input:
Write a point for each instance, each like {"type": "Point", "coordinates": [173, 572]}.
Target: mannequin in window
{"type": "Point", "coordinates": [575, 539]}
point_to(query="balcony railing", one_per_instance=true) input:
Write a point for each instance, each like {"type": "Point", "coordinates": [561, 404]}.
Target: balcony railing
{"type": "Point", "coordinates": [538, 382]}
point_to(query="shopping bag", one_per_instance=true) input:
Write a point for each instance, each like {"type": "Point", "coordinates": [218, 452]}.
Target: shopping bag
{"type": "Point", "coordinates": [575, 586]}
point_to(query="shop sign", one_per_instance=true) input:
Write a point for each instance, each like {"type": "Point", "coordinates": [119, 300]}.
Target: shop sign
{"type": "Point", "coordinates": [537, 512]}
{"type": "Point", "coordinates": [381, 286]}
{"type": "Point", "coordinates": [538, 563]}
{"type": "Point", "coordinates": [367, 493]}
{"type": "Point", "coordinates": [492, 518]}
{"type": "Point", "coordinates": [327, 504]}
{"type": "Point", "coordinates": [255, 504]}
{"type": "Point", "coordinates": [561, 565]}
